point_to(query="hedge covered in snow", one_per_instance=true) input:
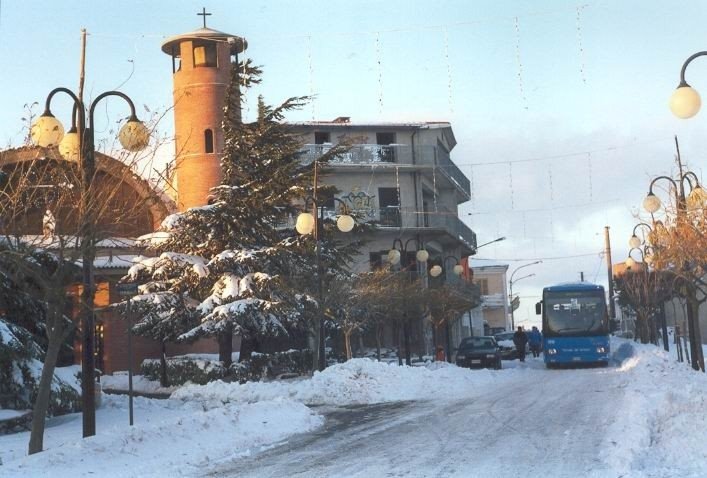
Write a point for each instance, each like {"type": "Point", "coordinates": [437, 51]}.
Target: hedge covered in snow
{"type": "Point", "coordinates": [185, 368]}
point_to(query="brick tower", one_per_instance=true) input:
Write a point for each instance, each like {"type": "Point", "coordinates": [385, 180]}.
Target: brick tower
{"type": "Point", "coordinates": [201, 63]}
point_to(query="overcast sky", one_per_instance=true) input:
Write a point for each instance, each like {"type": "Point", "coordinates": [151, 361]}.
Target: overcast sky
{"type": "Point", "coordinates": [567, 100]}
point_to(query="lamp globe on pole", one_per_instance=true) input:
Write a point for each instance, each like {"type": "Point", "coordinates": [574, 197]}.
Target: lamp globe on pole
{"type": "Point", "coordinates": [458, 269]}
{"type": "Point", "coordinates": [47, 131]}
{"type": "Point", "coordinates": [345, 223]}
{"type": "Point", "coordinates": [436, 270]}
{"type": "Point", "coordinates": [134, 135]}
{"type": "Point", "coordinates": [697, 198]}
{"type": "Point", "coordinates": [70, 145]}
{"type": "Point", "coordinates": [422, 255]}
{"type": "Point", "coordinates": [634, 242]}
{"type": "Point", "coordinates": [685, 102]}
{"type": "Point", "coordinates": [393, 256]}
{"type": "Point", "coordinates": [305, 223]}
{"type": "Point", "coordinates": [651, 203]}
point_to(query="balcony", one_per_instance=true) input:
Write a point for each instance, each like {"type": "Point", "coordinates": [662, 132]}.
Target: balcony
{"type": "Point", "coordinates": [399, 154]}
{"type": "Point", "coordinates": [395, 217]}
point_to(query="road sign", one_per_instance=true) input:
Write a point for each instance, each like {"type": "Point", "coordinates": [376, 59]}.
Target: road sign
{"type": "Point", "coordinates": [126, 289]}
{"type": "Point", "coordinates": [515, 303]}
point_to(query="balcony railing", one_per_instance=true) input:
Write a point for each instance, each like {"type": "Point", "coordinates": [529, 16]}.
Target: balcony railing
{"type": "Point", "coordinates": [395, 217]}
{"type": "Point", "coordinates": [421, 155]}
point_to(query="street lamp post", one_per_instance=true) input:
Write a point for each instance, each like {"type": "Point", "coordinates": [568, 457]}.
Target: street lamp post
{"type": "Point", "coordinates": [399, 254]}
{"type": "Point", "coordinates": [510, 284]}
{"type": "Point", "coordinates": [78, 145]}
{"type": "Point", "coordinates": [312, 223]}
{"type": "Point", "coordinates": [683, 197]}
{"type": "Point", "coordinates": [646, 251]}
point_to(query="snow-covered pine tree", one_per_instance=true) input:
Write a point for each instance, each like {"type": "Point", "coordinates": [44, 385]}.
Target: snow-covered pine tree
{"type": "Point", "coordinates": [227, 264]}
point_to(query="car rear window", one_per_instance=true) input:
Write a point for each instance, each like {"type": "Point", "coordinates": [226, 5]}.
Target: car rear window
{"type": "Point", "coordinates": [479, 343]}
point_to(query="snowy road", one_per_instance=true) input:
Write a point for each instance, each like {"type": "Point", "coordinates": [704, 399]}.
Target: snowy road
{"type": "Point", "coordinates": [544, 423]}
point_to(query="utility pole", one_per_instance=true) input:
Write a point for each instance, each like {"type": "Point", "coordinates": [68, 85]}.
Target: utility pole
{"type": "Point", "coordinates": [607, 254]}
{"type": "Point", "coordinates": [581, 276]}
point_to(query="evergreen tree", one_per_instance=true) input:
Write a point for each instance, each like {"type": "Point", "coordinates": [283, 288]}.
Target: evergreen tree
{"type": "Point", "coordinates": [227, 265]}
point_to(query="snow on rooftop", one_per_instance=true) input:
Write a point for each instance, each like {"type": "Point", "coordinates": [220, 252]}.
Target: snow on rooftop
{"type": "Point", "coordinates": [382, 124]}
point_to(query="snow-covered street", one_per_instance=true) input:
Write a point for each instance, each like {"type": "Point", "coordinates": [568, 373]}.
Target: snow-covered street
{"type": "Point", "coordinates": [642, 417]}
{"type": "Point", "coordinates": [540, 423]}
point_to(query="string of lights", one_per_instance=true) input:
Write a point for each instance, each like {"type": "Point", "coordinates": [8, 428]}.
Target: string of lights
{"type": "Point", "coordinates": [270, 38]}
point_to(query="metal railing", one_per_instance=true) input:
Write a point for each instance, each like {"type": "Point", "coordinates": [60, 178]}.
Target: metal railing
{"type": "Point", "coordinates": [395, 217]}
{"type": "Point", "coordinates": [422, 155]}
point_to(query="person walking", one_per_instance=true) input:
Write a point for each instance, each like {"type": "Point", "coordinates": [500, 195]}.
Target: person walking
{"type": "Point", "coordinates": [520, 339]}
{"type": "Point", "coordinates": [535, 340]}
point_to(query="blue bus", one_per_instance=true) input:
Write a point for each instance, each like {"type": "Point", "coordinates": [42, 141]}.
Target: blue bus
{"type": "Point", "coordinates": [575, 324]}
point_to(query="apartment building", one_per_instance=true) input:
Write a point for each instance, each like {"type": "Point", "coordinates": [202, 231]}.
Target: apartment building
{"type": "Point", "coordinates": [401, 178]}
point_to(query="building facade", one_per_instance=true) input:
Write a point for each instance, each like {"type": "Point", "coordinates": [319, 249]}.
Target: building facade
{"type": "Point", "coordinates": [400, 178]}
{"type": "Point", "coordinates": [493, 315]}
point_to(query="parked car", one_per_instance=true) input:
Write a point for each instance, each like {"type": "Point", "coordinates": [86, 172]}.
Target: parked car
{"type": "Point", "coordinates": [479, 352]}
{"type": "Point", "coordinates": [507, 347]}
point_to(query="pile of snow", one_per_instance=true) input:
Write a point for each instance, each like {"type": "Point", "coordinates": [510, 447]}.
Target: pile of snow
{"type": "Point", "coordinates": [119, 382]}
{"type": "Point", "coordinates": [662, 424]}
{"type": "Point", "coordinates": [358, 381]}
{"type": "Point", "coordinates": [170, 438]}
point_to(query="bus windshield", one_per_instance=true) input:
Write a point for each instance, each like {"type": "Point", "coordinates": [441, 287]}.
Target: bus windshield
{"type": "Point", "coordinates": [575, 313]}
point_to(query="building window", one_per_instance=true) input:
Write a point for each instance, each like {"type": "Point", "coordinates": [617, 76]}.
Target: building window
{"type": "Point", "coordinates": [322, 137]}
{"type": "Point", "coordinates": [205, 55]}
{"type": "Point", "coordinates": [387, 152]}
{"type": "Point", "coordinates": [483, 286]}
{"type": "Point", "coordinates": [385, 138]}
{"type": "Point", "coordinates": [389, 203]}
{"type": "Point", "coordinates": [208, 141]}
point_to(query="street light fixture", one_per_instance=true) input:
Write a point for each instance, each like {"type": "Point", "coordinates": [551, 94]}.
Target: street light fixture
{"type": "Point", "coordinates": [48, 132]}
{"type": "Point", "coordinates": [503, 238]}
{"type": "Point", "coordinates": [458, 269]}
{"type": "Point", "coordinates": [694, 196]}
{"type": "Point", "coordinates": [511, 282]}
{"type": "Point", "coordinates": [398, 254]}
{"type": "Point", "coordinates": [308, 223]}
{"type": "Point", "coordinates": [685, 101]}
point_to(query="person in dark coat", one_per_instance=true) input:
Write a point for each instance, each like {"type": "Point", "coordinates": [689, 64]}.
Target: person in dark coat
{"type": "Point", "coordinates": [535, 339]}
{"type": "Point", "coordinates": [520, 339]}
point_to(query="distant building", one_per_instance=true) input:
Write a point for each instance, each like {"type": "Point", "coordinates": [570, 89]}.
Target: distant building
{"type": "Point", "coordinates": [493, 315]}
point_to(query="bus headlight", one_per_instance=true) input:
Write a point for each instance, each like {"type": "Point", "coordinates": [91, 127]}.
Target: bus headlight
{"type": "Point", "coordinates": [601, 350]}
{"type": "Point", "coordinates": [460, 357]}
{"type": "Point", "coordinates": [551, 351]}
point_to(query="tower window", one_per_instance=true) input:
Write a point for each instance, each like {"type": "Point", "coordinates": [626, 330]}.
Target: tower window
{"type": "Point", "coordinates": [205, 54]}
{"type": "Point", "coordinates": [208, 141]}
